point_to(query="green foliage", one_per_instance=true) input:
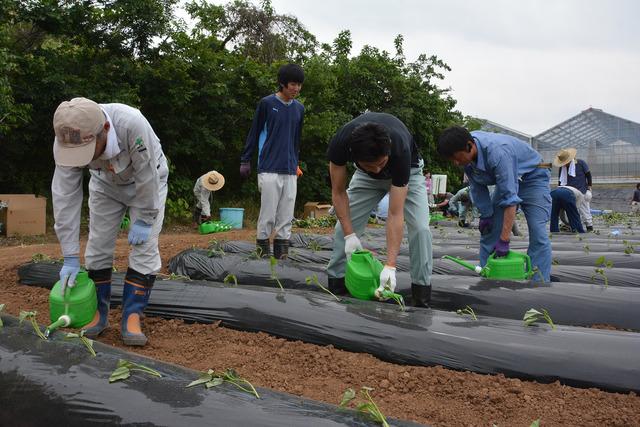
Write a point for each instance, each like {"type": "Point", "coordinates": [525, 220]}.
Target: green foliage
{"type": "Point", "coordinates": [199, 87]}
{"type": "Point", "coordinates": [31, 315]}
{"type": "Point", "coordinates": [323, 221]}
{"type": "Point", "coordinates": [532, 315]}
{"type": "Point", "coordinates": [212, 378]}
{"type": "Point", "coordinates": [273, 264]}
{"type": "Point", "coordinates": [468, 311]}
{"type": "Point", "coordinates": [367, 406]}
{"type": "Point", "coordinates": [88, 343]}
{"type": "Point", "coordinates": [124, 369]}
{"type": "Point", "coordinates": [313, 280]}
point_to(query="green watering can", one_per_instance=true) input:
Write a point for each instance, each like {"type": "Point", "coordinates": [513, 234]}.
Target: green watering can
{"type": "Point", "coordinates": [76, 307]}
{"type": "Point", "coordinates": [363, 277]}
{"type": "Point", "coordinates": [209, 227]}
{"type": "Point", "coordinates": [514, 266]}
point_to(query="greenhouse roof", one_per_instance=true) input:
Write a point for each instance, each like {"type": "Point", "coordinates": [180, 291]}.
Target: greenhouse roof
{"type": "Point", "coordinates": [489, 126]}
{"type": "Point", "coordinates": [590, 126]}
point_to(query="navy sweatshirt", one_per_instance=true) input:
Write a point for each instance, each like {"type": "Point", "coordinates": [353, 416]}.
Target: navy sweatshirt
{"type": "Point", "coordinates": [276, 130]}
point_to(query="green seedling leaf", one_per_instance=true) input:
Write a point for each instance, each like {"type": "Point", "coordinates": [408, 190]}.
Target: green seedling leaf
{"type": "Point", "coordinates": [214, 382]}
{"type": "Point", "coordinates": [313, 280]}
{"type": "Point", "coordinates": [88, 343]}
{"type": "Point", "coordinates": [468, 311]}
{"type": "Point", "coordinates": [229, 277]}
{"type": "Point", "coordinates": [368, 406]}
{"type": "Point", "coordinates": [212, 378]}
{"type": "Point", "coordinates": [348, 396]}
{"type": "Point", "coordinates": [31, 315]}
{"type": "Point", "coordinates": [124, 368]}
{"type": "Point", "coordinates": [273, 263]}
{"type": "Point", "coordinates": [600, 260]}
{"type": "Point", "coordinates": [532, 315]}
{"type": "Point", "coordinates": [535, 423]}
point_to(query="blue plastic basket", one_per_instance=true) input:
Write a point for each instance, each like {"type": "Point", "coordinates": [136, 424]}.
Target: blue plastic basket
{"type": "Point", "coordinates": [232, 216]}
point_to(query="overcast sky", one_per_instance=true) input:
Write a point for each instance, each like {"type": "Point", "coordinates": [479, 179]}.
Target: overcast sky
{"type": "Point", "coordinates": [527, 64]}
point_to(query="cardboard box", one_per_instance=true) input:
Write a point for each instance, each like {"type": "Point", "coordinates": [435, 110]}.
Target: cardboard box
{"type": "Point", "coordinates": [24, 215]}
{"type": "Point", "coordinates": [315, 210]}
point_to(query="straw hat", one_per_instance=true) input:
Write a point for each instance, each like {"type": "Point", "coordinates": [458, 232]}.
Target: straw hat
{"type": "Point", "coordinates": [213, 181]}
{"type": "Point", "coordinates": [564, 156]}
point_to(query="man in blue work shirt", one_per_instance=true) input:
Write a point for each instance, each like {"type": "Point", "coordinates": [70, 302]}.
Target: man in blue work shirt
{"type": "Point", "coordinates": [276, 130]}
{"type": "Point", "coordinates": [520, 178]}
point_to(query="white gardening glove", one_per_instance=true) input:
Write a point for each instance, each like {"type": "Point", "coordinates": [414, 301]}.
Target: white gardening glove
{"type": "Point", "coordinates": [588, 195]}
{"type": "Point", "coordinates": [351, 244]}
{"type": "Point", "coordinates": [387, 281]}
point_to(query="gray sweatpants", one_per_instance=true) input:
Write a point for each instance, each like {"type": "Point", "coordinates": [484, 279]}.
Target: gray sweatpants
{"type": "Point", "coordinates": [364, 194]}
{"type": "Point", "coordinates": [107, 206]}
{"type": "Point", "coordinates": [277, 200]}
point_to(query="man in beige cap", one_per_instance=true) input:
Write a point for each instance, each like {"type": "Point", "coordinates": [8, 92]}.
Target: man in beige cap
{"type": "Point", "coordinates": [575, 173]}
{"type": "Point", "coordinates": [205, 185]}
{"type": "Point", "coordinates": [128, 171]}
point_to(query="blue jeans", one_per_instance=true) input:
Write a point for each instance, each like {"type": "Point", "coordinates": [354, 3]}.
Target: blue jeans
{"type": "Point", "coordinates": [563, 199]}
{"type": "Point", "coordinates": [536, 205]}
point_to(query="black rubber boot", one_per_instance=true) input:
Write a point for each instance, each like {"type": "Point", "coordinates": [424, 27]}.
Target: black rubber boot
{"type": "Point", "coordinates": [421, 295]}
{"type": "Point", "coordinates": [280, 248]}
{"type": "Point", "coordinates": [589, 228]}
{"type": "Point", "coordinates": [262, 247]}
{"type": "Point", "coordinates": [337, 287]}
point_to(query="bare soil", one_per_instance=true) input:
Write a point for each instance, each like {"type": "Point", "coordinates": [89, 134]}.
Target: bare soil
{"type": "Point", "coordinates": [429, 395]}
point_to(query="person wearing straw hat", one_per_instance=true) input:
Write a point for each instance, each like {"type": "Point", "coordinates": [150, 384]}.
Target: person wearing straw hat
{"type": "Point", "coordinates": [204, 186]}
{"type": "Point", "coordinates": [520, 178]}
{"type": "Point", "coordinates": [128, 171]}
{"type": "Point", "coordinates": [575, 173]}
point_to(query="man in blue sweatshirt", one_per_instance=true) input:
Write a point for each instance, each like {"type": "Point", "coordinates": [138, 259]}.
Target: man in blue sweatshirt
{"type": "Point", "coordinates": [520, 178]}
{"type": "Point", "coordinates": [276, 130]}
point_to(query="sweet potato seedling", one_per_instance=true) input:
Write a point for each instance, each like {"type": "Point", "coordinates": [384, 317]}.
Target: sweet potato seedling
{"type": "Point", "coordinates": [313, 280]}
{"type": "Point", "coordinates": [88, 343]}
{"type": "Point", "coordinates": [212, 378]}
{"type": "Point", "coordinates": [273, 263]}
{"type": "Point", "coordinates": [468, 311]}
{"type": "Point", "coordinates": [368, 407]}
{"type": "Point", "coordinates": [532, 315]}
{"type": "Point", "coordinates": [31, 315]}
{"type": "Point", "coordinates": [601, 265]}
{"type": "Point", "coordinates": [124, 368]}
{"type": "Point", "coordinates": [229, 277]}
{"type": "Point", "coordinates": [535, 423]}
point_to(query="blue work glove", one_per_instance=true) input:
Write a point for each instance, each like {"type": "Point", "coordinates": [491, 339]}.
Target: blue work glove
{"type": "Point", "coordinates": [139, 232]}
{"type": "Point", "coordinates": [485, 225]}
{"type": "Point", "coordinates": [502, 248]}
{"type": "Point", "coordinates": [387, 281]}
{"type": "Point", "coordinates": [351, 244]}
{"type": "Point", "coordinates": [69, 271]}
{"type": "Point", "coordinates": [245, 169]}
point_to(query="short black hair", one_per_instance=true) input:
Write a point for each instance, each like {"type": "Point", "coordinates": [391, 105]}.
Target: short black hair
{"type": "Point", "coordinates": [369, 142]}
{"type": "Point", "coordinates": [452, 140]}
{"type": "Point", "coordinates": [290, 73]}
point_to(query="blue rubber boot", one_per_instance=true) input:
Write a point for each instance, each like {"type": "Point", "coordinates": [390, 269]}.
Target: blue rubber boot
{"type": "Point", "coordinates": [100, 322]}
{"type": "Point", "coordinates": [135, 296]}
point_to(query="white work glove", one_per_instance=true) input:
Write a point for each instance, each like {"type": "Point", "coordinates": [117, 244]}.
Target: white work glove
{"type": "Point", "coordinates": [588, 195]}
{"type": "Point", "coordinates": [69, 271]}
{"type": "Point", "coordinates": [387, 281]}
{"type": "Point", "coordinates": [351, 244]}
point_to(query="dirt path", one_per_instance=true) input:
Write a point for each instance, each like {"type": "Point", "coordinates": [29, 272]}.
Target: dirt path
{"type": "Point", "coordinates": [435, 395]}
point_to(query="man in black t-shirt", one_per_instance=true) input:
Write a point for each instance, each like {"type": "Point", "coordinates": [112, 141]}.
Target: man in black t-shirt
{"type": "Point", "coordinates": [387, 160]}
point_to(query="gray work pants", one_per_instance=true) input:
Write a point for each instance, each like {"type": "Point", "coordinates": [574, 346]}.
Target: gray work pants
{"type": "Point", "coordinates": [277, 200]}
{"type": "Point", "coordinates": [107, 205]}
{"type": "Point", "coordinates": [364, 194]}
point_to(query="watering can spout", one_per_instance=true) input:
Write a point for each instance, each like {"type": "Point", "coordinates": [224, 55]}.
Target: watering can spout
{"type": "Point", "coordinates": [476, 268]}
{"type": "Point", "coordinates": [62, 322]}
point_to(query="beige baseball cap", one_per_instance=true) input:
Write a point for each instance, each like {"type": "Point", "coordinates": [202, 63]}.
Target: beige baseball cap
{"type": "Point", "coordinates": [76, 124]}
{"type": "Point", "coordinates": [213, 181]}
